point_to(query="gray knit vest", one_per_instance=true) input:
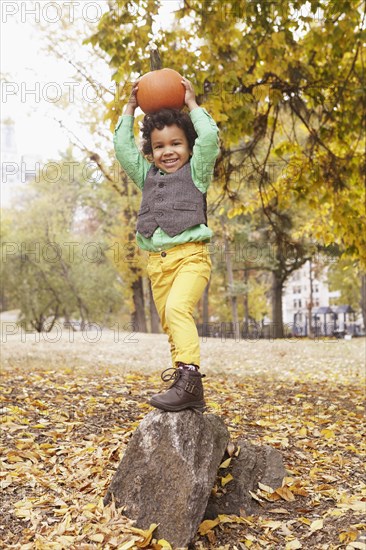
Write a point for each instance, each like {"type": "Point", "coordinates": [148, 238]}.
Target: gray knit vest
{"type": "Point", "coordinates": [170, 201]}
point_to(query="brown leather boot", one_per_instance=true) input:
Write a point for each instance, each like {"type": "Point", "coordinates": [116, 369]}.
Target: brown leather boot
{"type": "Point", "coordinates": [186, 392]}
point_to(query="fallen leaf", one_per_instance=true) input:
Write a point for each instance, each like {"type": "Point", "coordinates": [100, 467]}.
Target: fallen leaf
{"type": "Point", "coordinates": [147, 534]}
{"type": "Point", "coordinates": [306, 521]}
{"type": "Point", "coordinates": [225, 480]}
{"type": "Point", "coordinates": [293, 545]}
{"type": "Point", "coordinates": [226, 463]}
{"type": "Point", "coordinates": [316, 525]}
{"type": "Point", "coordinates": [265, 488]}
{"type": "Point", "coordinates": [285, 493]}
{"type": "Point", "coordinates": [348, 536]}
{"type": "Point", "coordinates": [127, 545]}
{"type": "Point", "coordinates": [256, 497]}
{"type": "Point", "coordinates": [207, 525]}
{"type": "Point", "coordinates": [230, 449]}
{"type": "Point", "coordinates": [328, 434]}
{"type": "Point", "coordinates": [98, 537]}
{"type": "Point", "coordinates": [272, 524]}
{"type": "Point", "coordinates": [223, 518]}
{"type": "Point", "coordinates": [357, 506]}
{"type": "Point", "coordinates": [165, 544]}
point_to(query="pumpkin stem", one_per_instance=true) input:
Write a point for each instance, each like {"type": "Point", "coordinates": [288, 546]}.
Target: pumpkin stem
{"type": "Point", "coordinates": [155, 59]}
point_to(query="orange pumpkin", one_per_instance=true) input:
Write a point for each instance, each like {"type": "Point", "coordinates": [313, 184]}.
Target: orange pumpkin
{"type": "Point", "coordinates": [160, 89]}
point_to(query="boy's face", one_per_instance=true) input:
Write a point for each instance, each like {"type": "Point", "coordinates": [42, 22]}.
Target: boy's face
{"type": "Point", "coordinates": [170, 148]}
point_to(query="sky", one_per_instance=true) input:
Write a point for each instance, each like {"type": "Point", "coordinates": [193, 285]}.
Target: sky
{"type": "Point", "coordinates": [24, 65]}
{"type": "Point", "coordinates": [34, 80]}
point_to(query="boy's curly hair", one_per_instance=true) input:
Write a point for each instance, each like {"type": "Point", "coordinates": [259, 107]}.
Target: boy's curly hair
{"type": "Point", "coordinates": [166, 117]}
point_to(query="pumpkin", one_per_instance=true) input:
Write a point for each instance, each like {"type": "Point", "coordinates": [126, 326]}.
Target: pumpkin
{"type": "Point", "coordinates": [160, 89]}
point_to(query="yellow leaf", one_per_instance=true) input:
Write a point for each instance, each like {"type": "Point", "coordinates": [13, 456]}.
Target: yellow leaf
{"type": "Point", "coordinates": [23, 512]}
{"type": "Point", "coordinates": [230, 449]}
{"type": "Point", "coordinates": [64, 525]}
{"type": "Point", "coordinates": [23, 504]}
{"type": "Point", "coordinates": [256, 497]}
{"type": "Point", "coordinates": [316, 525]}
{"type": "Point", "coordinates": [304, 520]}
{"type": "Point", "coordinates": [127, 545]}
{"type": "Point", "coordinates": [214, 405]}
{"type": "Point", "coordinates": [230, 519]}
{"type": "Point", "coordinates": [225, 480]}
{"type": "Point", "coordinates": [265, 488]}
{"type": "Point", "coordinates": [207, 525]}
{"type": "Point", "coordinates": [100, 505]}
{"type": "Point", "coordinates": [293, 545]}
{"type": "Point", "coordinates": [98, 537]}
{"type": "Point", "coordinates": [164, 544]}
{"type": "Point", "coordinates": [357, 506]}
{"type": "Point", "coordinates": [147, 534]}
{"type": "Point", "coordinates": [86, 513]}
{"type": "Point", "coordinates": [328, 434]}
{"type": "Point", "coordinates": [348, 536]}
{"type": "Point", "coordinates": [272, 524]}
{"type": "Point", "coordinates": [299, 491]}
{"type": "Point", "coordinates": [249, 539]}
{"type": "Point", "coordinates": [271, 497]}
{"type": "Point", "coordinates": [90, 506]}
{"type": "Point", "coordinates": [65, 540]}
{"type": "Point", "coordinates": [226, 463]}
{"type": "Point", "coordinates": [13, 457]}
{"type": "Point", "coordinates": [285, 493]}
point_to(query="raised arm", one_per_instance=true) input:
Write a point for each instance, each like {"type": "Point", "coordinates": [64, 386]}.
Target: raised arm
{"type": "Point", "coordinates": [206, 147]}
{"type": "Point", "coordinates": [127, 153]}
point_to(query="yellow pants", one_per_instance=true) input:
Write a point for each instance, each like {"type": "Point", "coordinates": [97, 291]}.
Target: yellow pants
{"type": "Point", "coordinates": [178, 278]}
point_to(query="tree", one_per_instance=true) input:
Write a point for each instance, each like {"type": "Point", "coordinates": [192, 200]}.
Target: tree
{"type": "Point", "coordinates": [55, 258]}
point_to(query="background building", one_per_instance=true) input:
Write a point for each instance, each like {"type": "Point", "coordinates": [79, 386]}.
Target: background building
{"type": "Point", "coordinates": [307, 305]}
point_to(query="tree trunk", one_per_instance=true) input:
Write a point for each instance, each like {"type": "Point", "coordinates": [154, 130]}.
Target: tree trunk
{"type": "Point", "coordinates": [363, 298]}
{"type": "Point", "coordinates": [3, 299]}
{"type": "Point", "coordinates": [277, 322]}
{"type": "Point", "coordinates": [138, 317]}
{"type": "Point", "coordinates": [246, 303]}
{"type": "Point", "coordinates": [155, 326]}
{"type": "Point", "coordinates": [233, 298]}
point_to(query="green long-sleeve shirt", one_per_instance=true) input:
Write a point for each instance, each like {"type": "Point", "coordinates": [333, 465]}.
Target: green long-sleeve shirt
{"type": "Point", "coordinates": [205, 151]}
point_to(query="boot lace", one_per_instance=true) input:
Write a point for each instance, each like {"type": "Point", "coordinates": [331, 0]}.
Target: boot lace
{"type": "Point", "coordinates": [172, 376]}
{"type": "Point", "coordinates": [175, 375]}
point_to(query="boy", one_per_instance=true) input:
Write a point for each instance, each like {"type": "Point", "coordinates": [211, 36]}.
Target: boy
{"type": "Point", "coordinates": [181, 151]}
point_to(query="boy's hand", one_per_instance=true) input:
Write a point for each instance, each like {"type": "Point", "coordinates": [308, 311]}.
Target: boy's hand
{"type": "Point", "coordinates": [132, 100]}
{"type": "Point", "coordinates": [190, 96]}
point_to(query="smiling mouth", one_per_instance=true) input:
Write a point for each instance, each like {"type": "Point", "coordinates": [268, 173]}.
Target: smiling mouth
{"type": "Point", "coordinates": [170, 161]}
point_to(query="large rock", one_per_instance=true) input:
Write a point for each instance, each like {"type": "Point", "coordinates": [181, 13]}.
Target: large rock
{"type": "Point", "coordinates": [255, 463]}
{"type": "Point", "coordinates": [168, 470]}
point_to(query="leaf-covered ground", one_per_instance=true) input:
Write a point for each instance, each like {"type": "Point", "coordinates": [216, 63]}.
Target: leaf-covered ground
{"type": "Point", "coordinates": [70, 406]}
